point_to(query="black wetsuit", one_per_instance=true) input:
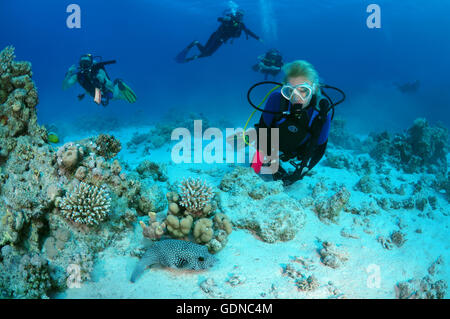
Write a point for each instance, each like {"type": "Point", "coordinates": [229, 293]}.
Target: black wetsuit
{"type": "Point", "coordinates": [89, 81]}
{"type": "Point", "coordinates": [303, 134]}
{"type": "Point", "coordinates": [229, 28]}
{"type": "Point", "coordinates": [269, 60]}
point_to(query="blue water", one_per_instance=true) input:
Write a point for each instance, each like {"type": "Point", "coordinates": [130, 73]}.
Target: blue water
{"type": "Point", "coordinates": [144, 36]}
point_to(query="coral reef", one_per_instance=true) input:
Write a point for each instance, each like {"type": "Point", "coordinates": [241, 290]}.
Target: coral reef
{"type": "Point", "coordinates": [360, 164]}
{"type": "Point", "coordinates": [261, 207]}
{"type": "Point", "coordinates": [301, 281]}
{"type": "Point", "coordinates": [156, 171]}
{"type": "Point", "coordinates": [194, 198]}
{"type": "Point", "coordinates": [191, 216]}
{"type": "Point", "coordinates": [155, 229]}
{"type": "Point", "coordinates": [23, 276]}
{"type": "Point", "coordinates": [203, 231]}
{"type": "Point", "coordinates": [427, 287]}
{"type": "Point", "coordinates": [151, 199]}
{"type": "Point", "coordinates": [179, 227]}
{"type": "Point", "coordinates": [328, 209]}
{"type": "Point", "coordinates": [331, 256]}
{"type": "Point", "coordinates": [79, 162]}
{"type": "Point", "coordinates": [18, 98]}
{"type": "Point", "coordinates": [222, 227]}
{"type": "Point", "coordinates": [50, 199]}
{"type": "Point", "coordinates": [161, 133]}
{"type": "Point", "coordinates": [396, 238]}
{"type": "Point", "coordinates": [25, 158]}
{"type": "Point", "coordinates": [107, 146]}
{"type": "Point", "coordinates": [421, 148]}
{"type": "Point", "coordinates": [68, 157]}
{"type": "Point", "coordinates": [340, 136]}
{"type": "Point", "coordinates": [307, 283]}
{"type": "Point", "coordinates": [64, 206]}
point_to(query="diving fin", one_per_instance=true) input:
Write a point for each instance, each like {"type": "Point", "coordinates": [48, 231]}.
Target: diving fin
{"type": "Point", "coordinates": [181, 57]}
{"type": "Point", "coordinates": [127, 92]}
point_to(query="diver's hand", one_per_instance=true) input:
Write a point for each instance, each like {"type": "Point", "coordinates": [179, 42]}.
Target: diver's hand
{"type": "Point", "coordinates": [274, 68]}
{"type": "Point", "coordinates": [72, 70]}
{"type": "Point", "coordinates": [261, 40]}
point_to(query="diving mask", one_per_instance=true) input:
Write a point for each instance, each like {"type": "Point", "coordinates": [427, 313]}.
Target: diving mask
{"type": "Point", "coordinates": [299, 93]}
{"type": "Point", "coordinates": [86, 61]}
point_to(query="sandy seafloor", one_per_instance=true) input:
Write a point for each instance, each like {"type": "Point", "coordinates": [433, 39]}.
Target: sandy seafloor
{"type": "Point", "coordinates": [257, 266]}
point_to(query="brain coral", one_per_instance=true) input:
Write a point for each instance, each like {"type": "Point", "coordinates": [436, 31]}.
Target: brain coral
{"type": "Point", "coordinates": [87, 204]}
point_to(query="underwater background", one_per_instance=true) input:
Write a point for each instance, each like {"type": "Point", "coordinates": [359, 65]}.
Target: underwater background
{"type": "Point", "coordinates": [379, 198]}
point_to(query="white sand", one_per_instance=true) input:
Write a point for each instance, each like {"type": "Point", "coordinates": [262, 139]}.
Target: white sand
{"type": "Point", "coordinates": [259, 265]}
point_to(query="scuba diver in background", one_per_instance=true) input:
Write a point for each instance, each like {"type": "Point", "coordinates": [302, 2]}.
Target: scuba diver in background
{"type": "Point", "coordinates": [409, 87]}
{"type": "Point", "coordinates": [302, 112]}
{"type": "Point", "coordinates": [92, 77]}
{"type": "Point", "coordinates": [269, 63]}
{"type": "Point", "coordinates": [231, 27]}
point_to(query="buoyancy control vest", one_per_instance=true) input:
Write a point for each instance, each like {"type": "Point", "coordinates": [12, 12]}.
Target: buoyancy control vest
{"type": "Point", "coordinates": [88, 78]}
{"type": "Point", "coordinates": [299, 126]}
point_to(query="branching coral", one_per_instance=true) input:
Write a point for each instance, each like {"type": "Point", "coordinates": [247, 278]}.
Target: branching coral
{"type": "Point", "coordinates": [195, 195]}
{"type": "Point", "coordinates": [87, 204]}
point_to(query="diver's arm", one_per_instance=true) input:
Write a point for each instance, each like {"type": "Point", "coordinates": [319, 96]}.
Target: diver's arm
{"type": "Point", "coordinates": [249, 33]}
{"type": "Point", "coordinates": [317, 155]}
{"type": "Point", "coordinates": [71, 78]}
{"type": "Point", "coordinates": [271, 67]}
{"type": "Point", "coordinates": [322, 142]}
{"type": "Point", "coordinates": [103, 78]}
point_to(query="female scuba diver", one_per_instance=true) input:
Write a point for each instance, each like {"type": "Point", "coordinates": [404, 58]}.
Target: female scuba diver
{"type": "Point", "coordinates": [302, 112]}
{"type": "Point", "coordinates": [92, 77]}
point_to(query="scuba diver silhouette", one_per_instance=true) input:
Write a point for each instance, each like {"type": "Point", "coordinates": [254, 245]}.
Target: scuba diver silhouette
{"type": "Point", "coordinates": [231, 27]}
{"type": "Point", "coordinates": [93, 78]}
{"type": "Point", "coordinates": [269, 64]}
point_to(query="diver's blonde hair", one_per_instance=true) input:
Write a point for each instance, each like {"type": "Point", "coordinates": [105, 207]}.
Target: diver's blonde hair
{"type": "Point", "coordinates": [301, 68]}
